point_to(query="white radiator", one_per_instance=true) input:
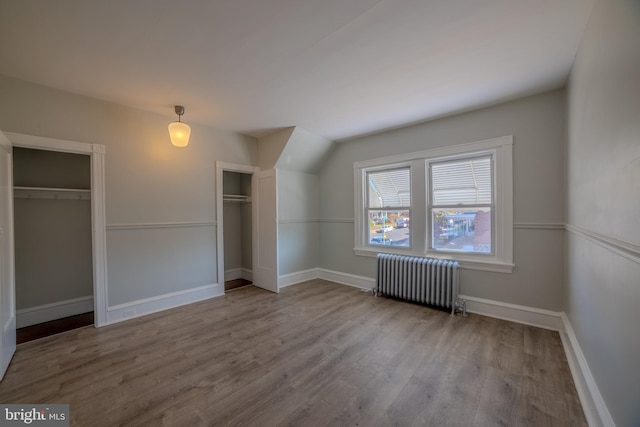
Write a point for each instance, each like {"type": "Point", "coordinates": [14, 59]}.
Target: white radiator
{"type": "Point", "coordinates": [423, 280]}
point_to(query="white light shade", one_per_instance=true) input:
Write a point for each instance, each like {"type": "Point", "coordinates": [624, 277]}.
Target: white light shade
{"type": "Point", "coordinates": [179, 133]}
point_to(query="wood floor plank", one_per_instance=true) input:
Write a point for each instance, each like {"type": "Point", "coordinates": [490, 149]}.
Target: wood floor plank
{"type": "Point", "coordinates": [316, 354]}
{"type": "Point", "coordinates": [500, 400]}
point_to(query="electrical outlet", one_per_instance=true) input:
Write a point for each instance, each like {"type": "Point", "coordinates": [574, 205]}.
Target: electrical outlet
{"type": "Point", "coordinates": [128, 313]}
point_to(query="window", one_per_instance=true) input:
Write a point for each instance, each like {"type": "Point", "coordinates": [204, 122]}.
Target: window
{"type": "Point", "coordinates": [452, 202]}
{"type": "Point", "coordinates": [461, 204]}
{"type": "Point", "coordinates": [388, 207]}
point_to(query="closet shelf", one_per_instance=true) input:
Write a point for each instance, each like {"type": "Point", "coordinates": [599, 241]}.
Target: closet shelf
{"type": "Point", "coordinates": [51, 193]}
{"type": "Point", "coordinates": [236, 198]}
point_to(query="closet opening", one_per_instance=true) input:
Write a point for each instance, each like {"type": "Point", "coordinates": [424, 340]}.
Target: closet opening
{"type": "Point", "coordinates": [237, 223]}
{"type": "Point", "coordinates": [53, 242]}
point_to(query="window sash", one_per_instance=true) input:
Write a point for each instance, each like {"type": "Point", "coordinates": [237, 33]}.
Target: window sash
{"type": "Point", "coordinates": [392, 183]}
{"type": "Point", "coordinates": [388, 187]}
{"type": "Point", "coordinates": [477, 177]}
{"type": "Point", "coordinates": [397, 244]}
{"type": "Point", "coordinates": [431, 206]}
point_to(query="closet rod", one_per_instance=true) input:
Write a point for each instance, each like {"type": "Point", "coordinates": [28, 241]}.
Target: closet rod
{"type": "Point", "coordinates": [51, 193]}
{"type": "Point", "coordinates": [75, 190]}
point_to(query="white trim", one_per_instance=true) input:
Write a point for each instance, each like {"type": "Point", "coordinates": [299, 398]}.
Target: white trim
{"type": "Point", "coordinates": [593, 405]}
{"type": "Point", "coordinates": [360, 282]}
{"type": "Point", "coordinates": [49, 144]}
{"type": "Point", "coordinates": [220, 168]}
{"type": "Point", "coordinates": [337, 220]}
{"type": "Point", "coordinates": [130, 310]}
{"type": "Point", "coordinates": [147, 225]}
{"type": "Point", "coordinates": [496, 267]}
{"type": "Point", "coordinates": [98, 211]}
{"type": "Point", "coordinates": [297, 277]}
{"type": "Point", "coordinates": [538, 226]}
{"type": "Point", "coordinates": [7, 259]}
{"type": "Point", "coordinates": [51, 193]}
{"type": "Point", "coordinates": [55, 310]}
{"type": "Point", "coordinates": [532, 316]}
{"type": "Point", "coordinates": [247, 274]}
{"type": "Point", "coordinates": [238, 273]}
{"type": "Point", "coordinates": [298, 221]}
{"type": "Point", "coordinates": [620, 247]}
{"type": "Point", "coordinates": [232, 274]}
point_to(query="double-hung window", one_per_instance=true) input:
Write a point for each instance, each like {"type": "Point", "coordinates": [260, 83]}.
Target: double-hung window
{"type": "Point", "coordinates": [452, 202]}
{"type": "Point", "coordinates": [388, 207]}
{"type": "Point", "coordinates": [461, 204]}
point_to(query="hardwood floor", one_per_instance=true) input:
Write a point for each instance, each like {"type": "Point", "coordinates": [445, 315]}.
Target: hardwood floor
{"type": "Point", "coordinates": [230, 285]}
{"type": "Point", "coordinates": [316, 354]}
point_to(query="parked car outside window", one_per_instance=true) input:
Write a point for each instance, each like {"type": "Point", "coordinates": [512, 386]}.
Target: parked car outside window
{"type": "Point", "coordinates": [384, 229]}
{"type": "Point", "coordinates": [381, 240]}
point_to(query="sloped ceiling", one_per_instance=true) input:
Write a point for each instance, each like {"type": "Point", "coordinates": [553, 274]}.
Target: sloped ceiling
{"type": "Point", "coordinates": [333, 67]}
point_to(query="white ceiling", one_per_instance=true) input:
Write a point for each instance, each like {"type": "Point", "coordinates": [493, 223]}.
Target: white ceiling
{"type": "Point", "coordinates": [338, 68]}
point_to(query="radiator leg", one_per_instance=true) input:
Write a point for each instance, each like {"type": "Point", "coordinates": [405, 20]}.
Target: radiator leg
{"type": "Point", "coordinates": [461, 305]}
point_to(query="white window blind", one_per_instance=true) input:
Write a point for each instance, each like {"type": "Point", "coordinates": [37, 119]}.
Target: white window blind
{"type": "Point", "coordinates": [389, 188]}
{"type": "Point", "coordinates": [465, 182]}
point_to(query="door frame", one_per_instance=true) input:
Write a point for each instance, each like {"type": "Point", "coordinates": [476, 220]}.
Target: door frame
{"type": "Point", "coordinates": [7, 269]}
{"type": "Point", "coordinates": [98, 214]}
{"type": "Point", "coordinates": [221, 167]}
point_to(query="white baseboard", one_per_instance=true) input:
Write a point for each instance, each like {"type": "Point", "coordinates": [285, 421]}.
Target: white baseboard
{"type": "Point", "coordinates": [53, 311]}
{"type": "Point", "coordinates": [321, 273]}
{"type": "Point", "coordinates": [238, 273]}
{"type": "Point", "coordinates": [593, 405]}
{"type": "Point", "coordinates": [347, 279]}
{"type": "Point", "coordinates": [120, 312]}
{"type": "Point", "coordinates": [297, 277]}
{"type": "Point", "coordinates": [232, 274]}
{"type": "Point", "coordinates": [532, 316]}
{"type": "Point", "coordinates": [515, 313]}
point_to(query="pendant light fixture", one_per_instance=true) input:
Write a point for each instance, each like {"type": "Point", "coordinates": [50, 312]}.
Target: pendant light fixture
{"type": "Point", "coordinates": [179, 131]}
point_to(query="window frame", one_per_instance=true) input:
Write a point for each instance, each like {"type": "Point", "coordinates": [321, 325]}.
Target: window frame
{"type": "Point", "coordinates": [501, 260]}
{"type": "Point", "coordinates": [368, 209]}
{"type": "Point", "coordinates": [430, 206]}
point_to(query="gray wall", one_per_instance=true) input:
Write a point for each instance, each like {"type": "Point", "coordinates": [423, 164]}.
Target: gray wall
{"type": "Point", "coordinates": [237, 222]}
{"type": "Point", "coordinates": [232, 235]}
{"type": "Point", "coordinates": [305, 152]}
{"type": "Point", "coordinates": [603, 204]}
{"type": "Point", "coordinates": [298, 210]}
{"type": "Point", "coordinates": [52, 237]}
{"type": "Point", "coordinates": [51, 169]}
{"type": "Point", "coordinates": [537, 125]}
{"type": "Point", "coordinates": [148, 181]}
{"type": "Point", "coordinates": [53, 251]}
{"type": "Point", "coordinates": [270, 147]}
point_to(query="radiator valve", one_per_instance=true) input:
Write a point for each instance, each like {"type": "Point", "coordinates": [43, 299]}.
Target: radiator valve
{"type": "Point", "coordinates": [461, 306]}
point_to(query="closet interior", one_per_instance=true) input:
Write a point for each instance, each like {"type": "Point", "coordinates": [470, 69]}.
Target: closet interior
{"type": "Point", "coordinates": [53, 241]}
{"type": "Point", "coordinates": [237, 229]}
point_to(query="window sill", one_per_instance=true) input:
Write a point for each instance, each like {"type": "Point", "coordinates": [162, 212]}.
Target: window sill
{"type": "Point", "coordinates": [482, 265]}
